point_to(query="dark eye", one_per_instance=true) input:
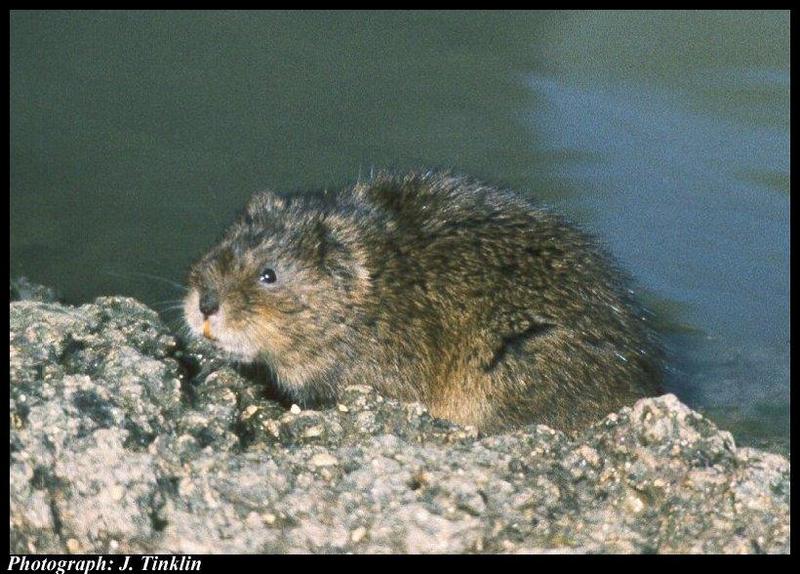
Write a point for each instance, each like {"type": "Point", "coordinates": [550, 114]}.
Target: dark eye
{"type": "Point", "coordinates": [267, 276]}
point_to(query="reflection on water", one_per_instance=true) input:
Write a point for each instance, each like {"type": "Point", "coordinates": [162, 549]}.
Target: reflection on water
{"type": "Point", "coordinates": [135, 137]}
{"type": "Point", "coordinates": [688, 179]}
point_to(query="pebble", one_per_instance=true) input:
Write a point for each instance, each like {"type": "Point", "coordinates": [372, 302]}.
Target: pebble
{"type": "Point", "coordinates": [324, 459]}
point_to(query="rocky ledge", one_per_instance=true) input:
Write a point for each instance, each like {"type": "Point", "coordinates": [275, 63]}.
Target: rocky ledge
{"type": "Point", "coordinates": [123, 439]}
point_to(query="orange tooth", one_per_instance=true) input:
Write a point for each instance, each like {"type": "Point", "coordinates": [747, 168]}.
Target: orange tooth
{"type": "Point", "coordinates": [207, 329]}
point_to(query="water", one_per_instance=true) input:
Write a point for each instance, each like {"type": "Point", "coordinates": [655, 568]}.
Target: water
{"type": "Point", "coordinates": [136, 137]}
{"type": "Point", "coordinates": [684, 163]}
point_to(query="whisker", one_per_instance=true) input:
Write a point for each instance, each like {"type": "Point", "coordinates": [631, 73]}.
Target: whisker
{"type": "Point", "coordinates": [169, 301]}
{"type": "Point", "coordinates": [177, 326]}
{"type": "Point", "coordinates": [166, 306]}
{"type": "Point", "coordinates": [127, 274]}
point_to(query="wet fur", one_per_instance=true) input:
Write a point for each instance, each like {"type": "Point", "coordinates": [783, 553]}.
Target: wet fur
{"type": "Point", "coordinates": [435, 288]}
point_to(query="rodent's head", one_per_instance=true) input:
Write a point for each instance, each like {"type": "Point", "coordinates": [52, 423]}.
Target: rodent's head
{"type": "Point", "coordinates": [285, 283]}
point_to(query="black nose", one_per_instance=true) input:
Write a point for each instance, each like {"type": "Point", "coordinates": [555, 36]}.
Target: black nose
{"type": "Point", "coordinates": [209, 303]}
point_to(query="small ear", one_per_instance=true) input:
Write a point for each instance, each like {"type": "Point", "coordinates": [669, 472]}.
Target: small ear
{"type": "Point", "coordinates": [337, 256]}
{"type": "Point", "coordinates": [262, 203]}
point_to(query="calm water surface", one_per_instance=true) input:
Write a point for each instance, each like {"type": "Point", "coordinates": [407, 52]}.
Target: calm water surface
{"type": "Point", "coordinates": [136, 137]}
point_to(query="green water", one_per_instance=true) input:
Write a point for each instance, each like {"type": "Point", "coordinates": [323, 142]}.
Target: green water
{"type": "Point", "coordinates": [135, 138]}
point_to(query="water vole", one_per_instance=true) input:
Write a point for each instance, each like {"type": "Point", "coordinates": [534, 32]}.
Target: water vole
{"type": "Point", "coordinates": [432, 288]}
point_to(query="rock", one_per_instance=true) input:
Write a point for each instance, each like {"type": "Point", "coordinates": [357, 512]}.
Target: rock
{"type": "Point", "coordinates": [323, 459]}
{"type": "Point", "coordinates": [126, 439]}
{"type": "Point", "coordinates": [21, 289]}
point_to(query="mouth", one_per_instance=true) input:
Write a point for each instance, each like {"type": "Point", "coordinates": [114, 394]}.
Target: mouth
{"type": "Point", "coordinates": [207, 330]}
{"type": "Point", "coordinates": [234, 343]}
{"type": "Point", "coordinates": [231, 350]}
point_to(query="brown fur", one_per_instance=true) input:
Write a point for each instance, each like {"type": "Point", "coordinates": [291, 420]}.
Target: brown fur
{"type": "Point", "coordinates": [429, 287]}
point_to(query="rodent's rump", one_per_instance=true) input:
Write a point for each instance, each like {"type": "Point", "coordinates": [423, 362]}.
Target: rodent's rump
{"type": "Point", "coordinates": [428, 287]}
